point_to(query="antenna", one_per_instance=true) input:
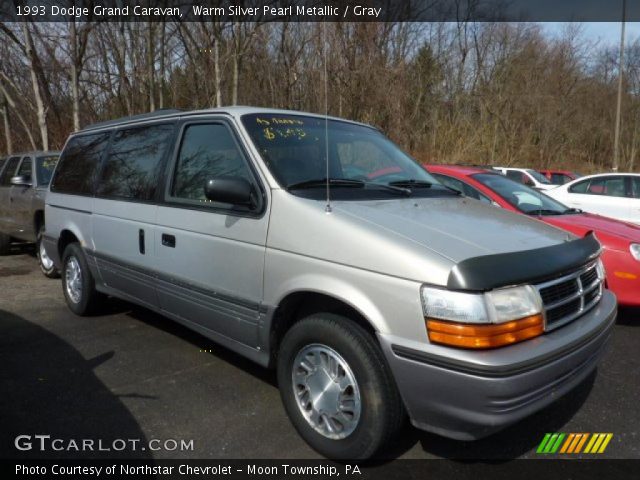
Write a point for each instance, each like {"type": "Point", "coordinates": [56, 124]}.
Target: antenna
{"type": "Point", "coordinates": [326, 114]}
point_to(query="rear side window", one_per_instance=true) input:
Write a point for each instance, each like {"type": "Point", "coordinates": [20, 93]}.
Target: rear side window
{"type": "Point", "coordinates": [9, 170]}
{"type": "Point", "coordinates": [134, 162]}
{"type": "Point", "coordinates": [580, 187]}
{"type": "Point", "coordinates": [207, 151]}
{"type": "Point", "coordinates": [79, 163]}
{"type": "Point", "coordinates": [609, 186]}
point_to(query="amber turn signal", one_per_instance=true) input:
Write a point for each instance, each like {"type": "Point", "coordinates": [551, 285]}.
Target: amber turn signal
{"type": "Point", "coordinates": [466, 335]}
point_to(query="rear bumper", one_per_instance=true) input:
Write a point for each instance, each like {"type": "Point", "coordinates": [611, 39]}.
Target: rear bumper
{"type": "Point", "coordinates": [468, 395]}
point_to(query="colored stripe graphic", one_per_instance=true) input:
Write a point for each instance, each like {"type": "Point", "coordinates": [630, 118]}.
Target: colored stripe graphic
{"type": "Point", "coordinates": [573, 443]}
{"type": "Point", "coordinates": [543, 443]}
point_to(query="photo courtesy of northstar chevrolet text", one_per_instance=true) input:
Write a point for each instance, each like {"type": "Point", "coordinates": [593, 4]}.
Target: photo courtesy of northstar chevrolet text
{"type": "Point", "coordinates": [310, 238]}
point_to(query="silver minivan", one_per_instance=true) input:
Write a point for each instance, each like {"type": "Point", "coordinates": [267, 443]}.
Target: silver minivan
{"type": "Point", "coordinates": [315, 246]}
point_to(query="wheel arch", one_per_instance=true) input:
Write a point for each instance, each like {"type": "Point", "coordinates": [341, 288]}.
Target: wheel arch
{"type": "Point", "coordinates": [299, 304]}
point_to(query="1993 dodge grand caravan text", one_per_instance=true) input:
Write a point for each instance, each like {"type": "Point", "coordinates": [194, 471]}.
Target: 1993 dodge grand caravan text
{"type": "Point", "coordinates": [400, 298]}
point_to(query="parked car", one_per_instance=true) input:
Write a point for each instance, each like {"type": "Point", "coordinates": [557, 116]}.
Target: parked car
{"type": "Point", "coordinates": [620, 240]}
{"type": "Point", "coordinates": [526, 176]}
{"type": "Point", "coordinates": [23, 184]}
{"type": "Point", "coordinates": [559, 177]}
{"type": "Point", "coordinates": [615, 195]}
{"type": "Point", "coordinates": [375, 293]}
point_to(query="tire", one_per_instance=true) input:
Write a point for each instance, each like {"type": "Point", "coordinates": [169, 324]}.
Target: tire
{"type": "Point", "coordinates": [5, 244]}
{"type": "Point", "coordinates": [357, 433]}
{"type": "Point", "coordinates": [84, 300]}
{"type": "Point", "coordinates": [46, 264]}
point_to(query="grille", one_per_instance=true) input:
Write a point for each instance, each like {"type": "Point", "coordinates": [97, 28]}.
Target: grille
{"type": "Point", "coordinates": [568, 297]}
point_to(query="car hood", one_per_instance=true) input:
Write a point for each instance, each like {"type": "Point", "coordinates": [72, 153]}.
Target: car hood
{"type": "Point", "coordinates": [413, 238]}
{"type": "Point", "coordinates": [456, 228]}
{"type": "Point", "coordinates": [602, 226]}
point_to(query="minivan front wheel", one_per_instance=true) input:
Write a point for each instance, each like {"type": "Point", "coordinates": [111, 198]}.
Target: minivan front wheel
{"type": "Point", "coordinates": [78, 285]}
{"type": "Point", "coordinates": [46, 264]}
{"type": "Point", "coordinates": [337, 388]}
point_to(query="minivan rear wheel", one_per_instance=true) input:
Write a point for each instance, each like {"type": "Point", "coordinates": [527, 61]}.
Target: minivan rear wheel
{"type": "Point", "coordinates": [78, 284]}
{"type": "Point", "coordinates": [337, 388]}
{"type": "Point", "coordinates": [46, 264]}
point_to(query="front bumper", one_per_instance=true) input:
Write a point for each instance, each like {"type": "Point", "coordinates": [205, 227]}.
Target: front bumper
{"type": "Point", "coordinates": [467, 395]}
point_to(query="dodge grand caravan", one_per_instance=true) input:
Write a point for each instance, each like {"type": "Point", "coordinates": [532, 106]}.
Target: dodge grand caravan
{"type": "Point", "coordinates": [317, 247]}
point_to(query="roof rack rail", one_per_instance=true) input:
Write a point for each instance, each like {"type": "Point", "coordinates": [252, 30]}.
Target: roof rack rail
{"type": "Point", "coordinates": [143, 116]}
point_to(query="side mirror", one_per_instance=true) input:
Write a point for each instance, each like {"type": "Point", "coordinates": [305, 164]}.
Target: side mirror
{"type": "Point", "coordinates": [21, 181]}
{"type": "Point", "coordinates": [233, 190]}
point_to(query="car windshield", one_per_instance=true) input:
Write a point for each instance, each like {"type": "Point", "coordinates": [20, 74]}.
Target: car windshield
{"type": "Point", "coordinates": [362, 161]}
{"type": "Point", "coordinates": [538, 176]}
{"type": "Point", "coordinates": [525, 199]}
{"type": "Point", "coordinates": [45, 167]}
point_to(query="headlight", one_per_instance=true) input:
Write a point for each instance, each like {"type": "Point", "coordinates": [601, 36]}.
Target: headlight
{"type": "Point", "coordinates": [634, 248]}
{"type": "Point", "coordinates": [482, 320]}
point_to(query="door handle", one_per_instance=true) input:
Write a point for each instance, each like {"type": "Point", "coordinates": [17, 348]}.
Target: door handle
{"type": "Point", "coordinates": [168, 240]}
{"type": "Point", "coordinates": [141, 241]}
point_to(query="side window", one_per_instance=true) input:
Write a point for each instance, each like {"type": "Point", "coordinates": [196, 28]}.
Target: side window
{"type": "Point", "coordinates": [615, 187]}
{"type": "Point", "coordinates": [134, 162]}
{"type": "Point", "coordinates": [580, 187]}
{"type": "Point", "coordinates": [10, 169]}
{"type": "Point", "coordinates": [558, 178]}
{"type": "Point", "coordinates": [26, 168]}
{"type": "Point", "coordinates": [206, 151]}
{"type": "Point", "coordinates": [469, 191]}
{"type": "Point", "coordinates": [78, 165]}
{"type": "Point", "coordinates": [635, 187]}
{"type": "Point", "coordinates": [515, 175]}
{"type": "Point", "coordinates": [526, 179]}
{"type": "Point", "coordinates": [450, 182]}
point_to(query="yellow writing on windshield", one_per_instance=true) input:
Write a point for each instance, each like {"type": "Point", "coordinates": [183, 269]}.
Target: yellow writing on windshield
{"type": "Point", "coordinates": [270, 133]}
{"type": "Point", "coordinates": [279, 121]}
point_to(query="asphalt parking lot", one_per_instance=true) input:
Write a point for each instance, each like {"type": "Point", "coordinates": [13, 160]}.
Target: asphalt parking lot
{"type": "Point", "coordinates": [133, 374]}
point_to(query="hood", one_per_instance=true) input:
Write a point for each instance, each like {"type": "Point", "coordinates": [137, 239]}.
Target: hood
{"type": "Point", "coordinates": [602, 226]}
{"type": "Point", "coordinates": [456, 228]}
{"type": "Point", "coordinates": [413, 238]}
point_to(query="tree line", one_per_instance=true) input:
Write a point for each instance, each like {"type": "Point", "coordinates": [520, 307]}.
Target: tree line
{"type": "Point", "coordinates": [465, 92]}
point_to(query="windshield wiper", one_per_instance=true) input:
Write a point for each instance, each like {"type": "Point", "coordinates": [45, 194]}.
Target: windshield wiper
{"type": "Point", "coordinates": [391, 188]}
{"type": "Point", "coordinates": [346, 183]}
{"type": "Point", "coordinates": [544, 211]}
{"type": "Point", "coordinates": [411, 183]}
{"type": "Point", "coordinates": [319, 182]}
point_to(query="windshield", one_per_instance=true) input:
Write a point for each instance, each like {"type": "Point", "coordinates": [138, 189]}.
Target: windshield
{"type": "Point", "coordinates": [524, 198]}
{"type": "Point", "coordinates": [45, 167]}
{"type": "Point", "coordinates": [294, 146]}
{"type": "Point", "coordinates": [538, 176]}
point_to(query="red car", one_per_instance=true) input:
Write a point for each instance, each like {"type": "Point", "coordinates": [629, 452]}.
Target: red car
{"type": "Point", "coordinates": [559, 177]}
{"type": "Point", "coordinates": [620, 240]}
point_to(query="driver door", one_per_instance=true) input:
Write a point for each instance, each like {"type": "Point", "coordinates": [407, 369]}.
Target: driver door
{"type": "Point", "coordinates": [210, 255]}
